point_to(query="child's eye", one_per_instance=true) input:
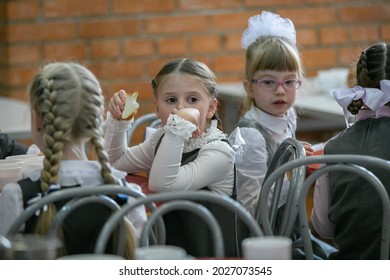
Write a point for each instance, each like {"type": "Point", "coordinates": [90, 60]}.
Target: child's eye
{"type": "Point", "coordinates": [268, 82]}
{"type": "Point", "coordinates": [170, 100]}
{"type": "Point", "coordinates": [192, 99]}
{"type": "Point", "coordinates": [290, 82]}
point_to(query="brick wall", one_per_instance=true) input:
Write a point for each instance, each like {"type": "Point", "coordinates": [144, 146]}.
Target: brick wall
{"type": "Point", "coordinates": [126, 41]}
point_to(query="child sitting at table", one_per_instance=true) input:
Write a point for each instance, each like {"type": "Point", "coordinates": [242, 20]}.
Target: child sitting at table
{"type": "Point", "coordinates": [346, 209]}
{"type": "Point", "coordinates": [189, 151]}
{"type": "Point", "coordinates": [273, 76]}
{"type": "Point", "coordinates": [185, 94]}
{"type": "Point", "coordinates": [67, 107]}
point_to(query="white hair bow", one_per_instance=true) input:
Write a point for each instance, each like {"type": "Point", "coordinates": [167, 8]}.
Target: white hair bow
{"type": "Point", "coordinates": [268, 24]}
{"type": "Point", "coordinates": [373, 98]}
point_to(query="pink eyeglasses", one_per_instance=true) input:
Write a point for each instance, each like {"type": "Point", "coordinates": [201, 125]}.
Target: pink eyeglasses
{"type": "Point", "coordinates": [272, 84]}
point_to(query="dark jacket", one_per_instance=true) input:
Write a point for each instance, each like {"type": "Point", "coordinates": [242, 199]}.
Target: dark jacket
{"type": "Point", "coordinates": [9, 147]}
{"type": "Point", "coordinates": [355, 207]}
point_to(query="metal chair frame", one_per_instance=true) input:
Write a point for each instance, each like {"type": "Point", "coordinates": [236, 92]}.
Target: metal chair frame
{"type": "Point", "coordinates": [345, 162]}
{"type": "Point", "coordinates": [199, 210]}
{"type": "Point", "coordinates": [223, 201]}
{"type": "Point", "coordinates": [80, 196]}
{"type": "Point", "coordinates": [288, 150]}
{"type": "Point", "coordinates": [151, 119]}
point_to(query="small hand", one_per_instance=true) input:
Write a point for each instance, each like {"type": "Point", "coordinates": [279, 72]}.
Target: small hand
{"type": "Point", "coordinates": [191, 115]}
{"type": "Point", "coordinates": [117, 104]}
{"type": "Point", "coordinates": [308, 149]}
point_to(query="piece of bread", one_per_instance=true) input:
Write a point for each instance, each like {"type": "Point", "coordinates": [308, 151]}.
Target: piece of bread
{"type": "Point", "coordinates": [131, 106]}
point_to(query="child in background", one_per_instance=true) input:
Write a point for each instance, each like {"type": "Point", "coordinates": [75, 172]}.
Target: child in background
{"type": "Point", "coordinates": [185, 94]}
{"type": "Point", "coordinates": [344, 203]}
{"type": "Point", "coordinates": [273, 73]}
{"type": "Point", "coordinates": [67, 107]}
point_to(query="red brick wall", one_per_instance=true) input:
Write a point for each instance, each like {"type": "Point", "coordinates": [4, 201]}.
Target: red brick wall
{"type": "Point", "coordinates": [125, 41]}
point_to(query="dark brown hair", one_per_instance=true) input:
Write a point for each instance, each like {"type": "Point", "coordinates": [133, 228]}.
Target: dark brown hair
{"type": "Point", "coordinates": [372, 67]}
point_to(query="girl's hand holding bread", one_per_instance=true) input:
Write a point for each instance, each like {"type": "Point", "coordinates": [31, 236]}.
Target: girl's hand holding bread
{"type": "Point", "coordinates": [123, 105]}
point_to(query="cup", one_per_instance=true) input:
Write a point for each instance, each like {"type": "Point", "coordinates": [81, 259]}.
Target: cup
{"type": "Point", "coordinates": [31, 165]}
{"type": "Point", "coordinates": [160, 252]}
{"type": "Point", "coordinates": [22, 157]}
{"type": "Point", "coordinates": [30, 247]}
{"type": "Point", "coordinates": [91, 257]}
{"type": "Point", "coordinates": [7, 163]}
{"type": "Point", "coordinates": [9, 160]}
{"type": "Point", "coordinates": [9, 173]}
{"type": "Point", "coordinates": [267, 248]}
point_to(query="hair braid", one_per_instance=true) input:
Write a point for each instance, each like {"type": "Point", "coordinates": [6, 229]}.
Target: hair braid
{"type": "Point", "coordinates": [387, 62]}
{"type": "Point", "coordinates": [97, 142]}
{"type": "Point", "coordinates": [372, 67]}
{"type": "Point", "coordinates": [68, 99]}
{"type": "Point", "coordinates": [361, 69]}
{"type": "Point", "coordinates": [53, 138]}
{"type": "Point", "coordinates": [90, 125]}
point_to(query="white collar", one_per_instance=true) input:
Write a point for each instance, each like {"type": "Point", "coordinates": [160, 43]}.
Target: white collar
{"type": "Point", "coordinates": [80, 172]}
{"type": "Point", "coordinates": [276, 125]}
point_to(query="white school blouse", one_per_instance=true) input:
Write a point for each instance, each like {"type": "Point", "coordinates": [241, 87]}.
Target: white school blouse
{"type": "Point", "coordinates": [213, 167]}
{"type": "Point", "coordinates": [252, 157]}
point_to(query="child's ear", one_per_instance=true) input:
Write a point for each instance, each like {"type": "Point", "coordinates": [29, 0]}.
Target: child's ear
{"type": "Point", "coordinates": [248, 88]}
{"type": "Point", "coordinates": [212, 108]}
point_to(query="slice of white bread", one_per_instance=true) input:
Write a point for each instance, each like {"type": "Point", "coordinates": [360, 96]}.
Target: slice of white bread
{"type": "Point", "coordinates": [131, 106]}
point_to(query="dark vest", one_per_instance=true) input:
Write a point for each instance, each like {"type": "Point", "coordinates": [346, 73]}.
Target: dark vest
{"type": "Point", "coordinates": [186, 230]}
{"type": "Point", "coordinates": [81, 228]}
{"type": "Point", "coordinates": [355, 207]}
{"type": "Point", "coordinates": [271, 144]}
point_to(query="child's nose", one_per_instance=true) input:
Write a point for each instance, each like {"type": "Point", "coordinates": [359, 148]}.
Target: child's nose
{"type": "Point", "coordinates": [180, 105]}
{"type": "Point", "coordinates": [280, 89]}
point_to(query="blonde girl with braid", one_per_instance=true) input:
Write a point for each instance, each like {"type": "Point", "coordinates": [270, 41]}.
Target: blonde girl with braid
{"type": "Point", "coordinates": [67, 106]}
{"type": "Point", "coordinates": [346, 209]}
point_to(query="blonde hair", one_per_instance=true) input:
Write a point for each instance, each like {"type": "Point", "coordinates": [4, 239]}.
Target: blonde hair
{"type": "Point", "coordinates": [193, 68]}
{"type": "Point", "coordinates": [271, 53]}
{"type": "Point", "coordinates": [68, 99]}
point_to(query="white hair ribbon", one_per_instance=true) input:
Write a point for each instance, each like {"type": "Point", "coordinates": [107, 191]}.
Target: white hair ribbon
{"type": "Point", "coordinates": [373, 98]}
{"type": "Point", "coordinates": [268, 24]}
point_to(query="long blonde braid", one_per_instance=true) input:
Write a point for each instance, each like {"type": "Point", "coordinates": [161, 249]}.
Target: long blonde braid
{"type": "Point", "coordinates": [69, 100]}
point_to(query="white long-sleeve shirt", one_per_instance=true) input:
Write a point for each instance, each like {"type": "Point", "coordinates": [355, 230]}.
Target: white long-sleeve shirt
{"type": "Point", "coordinates": [213, 167]}
{"type": "Point", "coordinates": [321, 203]}
{"type": "Point", "coordinates": [252, 157]}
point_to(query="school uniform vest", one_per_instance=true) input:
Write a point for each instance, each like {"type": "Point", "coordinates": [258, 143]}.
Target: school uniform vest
{"type": "Point", "coordinates": [355, 207]}
{"type": "Point", "coordinates": [271, 144]}
{"type": "Point", "coordinates": [81, 228]}
{"type": "Point", "coordinates": [187, 230]}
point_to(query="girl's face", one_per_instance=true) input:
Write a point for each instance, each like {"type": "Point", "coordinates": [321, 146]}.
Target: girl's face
{"type": "Point", "coordinates": [275, 100]}
{"type": "Point", "coordinates": [184, 91]}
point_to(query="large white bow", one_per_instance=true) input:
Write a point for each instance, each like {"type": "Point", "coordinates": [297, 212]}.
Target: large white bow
{"type": "Point", "coordinates": [268, 24]}
{"type": "Point", "coordinates": [373, 98]}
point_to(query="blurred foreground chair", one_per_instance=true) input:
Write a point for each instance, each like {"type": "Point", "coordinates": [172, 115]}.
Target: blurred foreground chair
{"type": "Point", "coordinates": [87, 203]}
{"type": "Point", "coordinates": [183, 200]}
{"type": "Point", "coordinates": [358, 164]}
{"type": "Point", "coordinates": [150, 120]}
{"type": "Point", "coordinates": [266, 214]}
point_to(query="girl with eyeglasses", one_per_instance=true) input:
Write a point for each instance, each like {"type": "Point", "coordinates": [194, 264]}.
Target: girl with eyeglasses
{"type": "Point", "coordinates": [273, 74]}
